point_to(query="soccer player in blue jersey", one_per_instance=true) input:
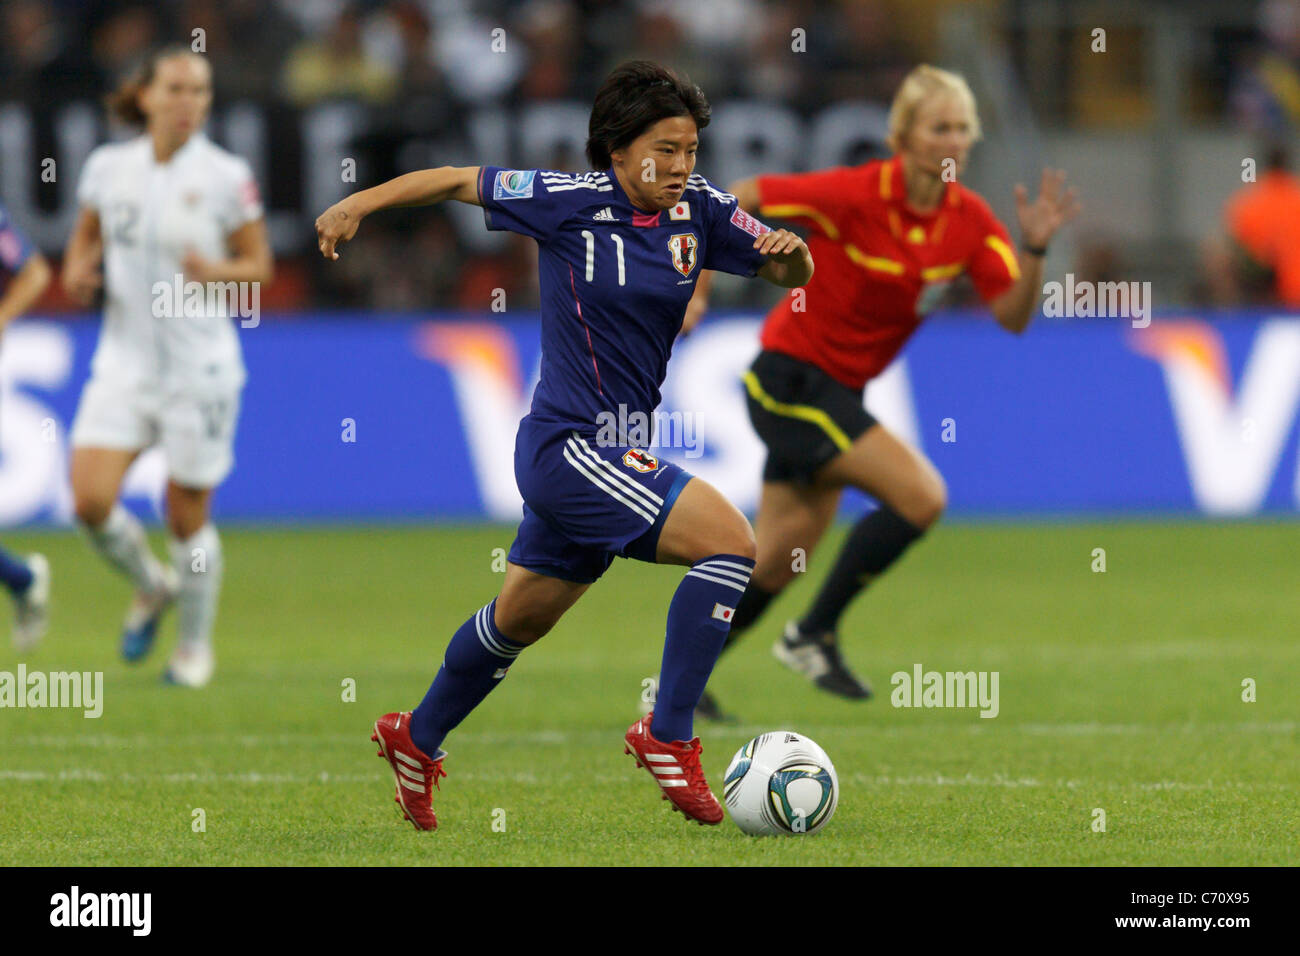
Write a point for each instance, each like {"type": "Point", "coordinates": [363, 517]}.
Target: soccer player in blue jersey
{"type": "Point", "coordinates": [620, 251]}
{"type": "Point", "coordinates": [24, 274]}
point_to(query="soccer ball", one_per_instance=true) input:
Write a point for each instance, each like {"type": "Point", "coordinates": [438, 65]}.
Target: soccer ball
{"type": "Point", "coordinates": [781, 783]}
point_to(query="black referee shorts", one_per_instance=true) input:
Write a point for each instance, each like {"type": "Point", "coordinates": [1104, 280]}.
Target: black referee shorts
{"type": "Point", "coordinates": [804, 417]}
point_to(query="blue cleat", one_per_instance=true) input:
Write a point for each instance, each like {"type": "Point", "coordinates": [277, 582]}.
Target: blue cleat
{"type": "Point", "coordinates": [142, 617]}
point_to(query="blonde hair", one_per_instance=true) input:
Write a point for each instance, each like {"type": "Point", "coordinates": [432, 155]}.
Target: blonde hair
{"type": "Point", "coordinates": [921, 84]}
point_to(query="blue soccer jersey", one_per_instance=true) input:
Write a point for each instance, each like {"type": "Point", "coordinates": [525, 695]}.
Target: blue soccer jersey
{"type": "Point", "coordinates": [615, 283]}
{"type": "Point", "coordinates": [15, 250]}
{"type": "Point", "coordinates": [615, 280]}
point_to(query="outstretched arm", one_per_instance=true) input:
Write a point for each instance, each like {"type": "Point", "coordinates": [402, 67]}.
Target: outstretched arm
{"type": "Point", "coordinates": [1039, 222]}
{"type": "Point", "coordinates": [338, 223]}
{"type": "Point", "coordinates": [1014, 309]}
{"type": "Point", "coordinates": [26, 287]}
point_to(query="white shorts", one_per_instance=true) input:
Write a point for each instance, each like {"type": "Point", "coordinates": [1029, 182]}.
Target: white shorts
{"type": "Point", "coordinates": [196, 430]}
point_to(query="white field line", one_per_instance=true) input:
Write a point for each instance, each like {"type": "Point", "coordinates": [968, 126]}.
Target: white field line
{"type": "Point", "coordinates": [1089, 729]}
{"type": "Point", "coordinates": [130, 742]}
{"type": "Point", "coordinates": [252, 778]}
{"type": "Point", "coordinates": [1224, 646]}
{"type": "Point", "coordinates": [85, 775]}
{"type": "Point", "coordinates": [1001, 780]}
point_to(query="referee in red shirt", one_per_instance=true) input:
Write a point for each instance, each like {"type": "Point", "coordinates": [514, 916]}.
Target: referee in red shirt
{"type": "Point", "coordinates": [888, 238]}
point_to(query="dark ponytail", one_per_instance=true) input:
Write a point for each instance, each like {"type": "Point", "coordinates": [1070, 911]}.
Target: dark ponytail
{"type": "Point", "coordinates": [633, 98]}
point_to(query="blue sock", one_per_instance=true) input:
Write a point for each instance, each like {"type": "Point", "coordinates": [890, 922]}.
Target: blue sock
{"type": "Point", "coordinates": [699, 619]}
{"type": "Point", "coordinates": [14, 573]}
{"type": "Point", "coordinates": [475, 662]}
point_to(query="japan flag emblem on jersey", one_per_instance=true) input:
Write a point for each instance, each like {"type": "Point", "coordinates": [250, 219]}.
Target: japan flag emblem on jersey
{"type": "Point", "coordinates": [683, 247]}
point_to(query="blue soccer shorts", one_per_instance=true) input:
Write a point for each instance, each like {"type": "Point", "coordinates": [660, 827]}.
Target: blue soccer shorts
{"type": "Point", "coordinates": [586, 502]}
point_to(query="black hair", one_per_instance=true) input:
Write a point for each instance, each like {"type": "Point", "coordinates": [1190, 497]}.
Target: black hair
{"type": "Point", "coordinates": [633, 98]}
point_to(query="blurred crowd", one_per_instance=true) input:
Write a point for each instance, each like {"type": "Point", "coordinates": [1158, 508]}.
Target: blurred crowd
{"type": "Point", "coordinates": [428, 53]}
{"type": "Point", "coordinates": [418, 67]}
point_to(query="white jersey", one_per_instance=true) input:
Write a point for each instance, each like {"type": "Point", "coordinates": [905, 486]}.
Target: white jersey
{"type": "Point", "coordinates": [151, 214]}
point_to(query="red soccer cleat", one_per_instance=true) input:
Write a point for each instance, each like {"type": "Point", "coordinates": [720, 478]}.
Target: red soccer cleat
{"type": "Point", "coordinates": [676, 768]}
{"type": "Point", "coordinates": [417, 774]}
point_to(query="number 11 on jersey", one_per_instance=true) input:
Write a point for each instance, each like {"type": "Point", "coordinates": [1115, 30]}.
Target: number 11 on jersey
{"type": "Point", "coordinates": [591, 255]}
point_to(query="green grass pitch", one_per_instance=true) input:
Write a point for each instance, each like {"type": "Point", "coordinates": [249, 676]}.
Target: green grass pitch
{"type": "Point", "coordinates": [1120, 691]}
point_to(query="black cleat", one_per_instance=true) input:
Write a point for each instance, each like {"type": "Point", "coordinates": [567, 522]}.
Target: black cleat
{"type": "Point", "coordinates": [709, 709]}
{"type": "Point", "coordinates": [817, 657]}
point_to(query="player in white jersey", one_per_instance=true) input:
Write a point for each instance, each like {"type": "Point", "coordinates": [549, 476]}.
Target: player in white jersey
{"type": "Point", "coordinates": [159, 212]}
{"type": "Point", "coordinates": [24, 274]}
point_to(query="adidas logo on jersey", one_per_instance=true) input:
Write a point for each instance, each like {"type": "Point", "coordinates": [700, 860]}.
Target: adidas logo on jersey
{"type": "Point", "coordinates": [605, 215]}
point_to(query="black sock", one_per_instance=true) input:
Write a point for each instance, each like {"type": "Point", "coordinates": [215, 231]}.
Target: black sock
{"type": "Point", "coordinates": [751, 607]}
{"type": "Point", "coordinates": [873, 544]}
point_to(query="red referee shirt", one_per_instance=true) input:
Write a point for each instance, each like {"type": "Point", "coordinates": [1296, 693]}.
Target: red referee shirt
{"type": "Point", "coordinates": [880, 267]}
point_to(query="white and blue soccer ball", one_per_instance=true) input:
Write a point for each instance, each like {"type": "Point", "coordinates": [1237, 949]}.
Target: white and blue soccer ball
{"type": "Point", "coordinates": [781, 784]}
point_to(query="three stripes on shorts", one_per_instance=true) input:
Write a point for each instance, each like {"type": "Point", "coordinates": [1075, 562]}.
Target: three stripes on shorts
{"type": "Point", "coordinates": [610, 480]}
